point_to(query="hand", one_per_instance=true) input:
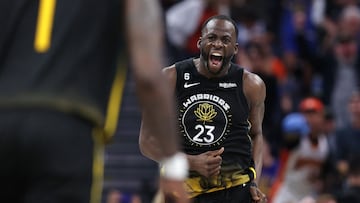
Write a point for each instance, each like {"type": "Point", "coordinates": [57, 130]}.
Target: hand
{"type": "Point", "coordinates": [256, 194]}
{"type": "Point", "coordinates": [173, 191]}
{"type": "Point", "coordinates": [207, 164]}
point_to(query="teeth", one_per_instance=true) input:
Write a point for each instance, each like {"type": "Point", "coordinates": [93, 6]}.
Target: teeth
{"type": "Point", "coordinates": [216, 54]}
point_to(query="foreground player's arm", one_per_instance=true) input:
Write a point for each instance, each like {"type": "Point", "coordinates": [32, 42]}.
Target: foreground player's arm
{"type": "Point", "coordinates": [255, 92]}
{"type": "Point", "coordinates": [145, 38]}
{"type": "Point", "coordinates": [146, 51]}
{"type": "Point", "coordinates": [149, 145]}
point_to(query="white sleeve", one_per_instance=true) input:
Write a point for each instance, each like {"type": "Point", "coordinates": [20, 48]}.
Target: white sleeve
{"type": "Point", "coordinates": [317, 13]}
{"type": "Point", "coordinates": [182, 19]}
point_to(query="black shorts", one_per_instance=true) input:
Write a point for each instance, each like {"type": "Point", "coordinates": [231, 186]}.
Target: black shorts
{"type": "Point", "coordinates": [238, 194]}
{"type": "Point", "coordinates": [47, 156]}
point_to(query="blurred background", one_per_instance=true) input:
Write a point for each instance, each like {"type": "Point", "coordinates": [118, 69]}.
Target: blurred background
{"type": "Point", "coordinates": [307, 53]}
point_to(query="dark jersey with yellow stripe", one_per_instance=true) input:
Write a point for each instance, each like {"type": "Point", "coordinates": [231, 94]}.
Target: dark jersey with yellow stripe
{"type": "Point", "coordinates": [55, 57]}
{"type": "Point", "coordinates": [213, 113]}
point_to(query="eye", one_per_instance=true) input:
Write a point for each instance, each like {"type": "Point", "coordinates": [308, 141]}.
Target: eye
{"type": "Point", "coordinates": [211, 38]}
{"type": "Point", "coordinates": [226, 40]}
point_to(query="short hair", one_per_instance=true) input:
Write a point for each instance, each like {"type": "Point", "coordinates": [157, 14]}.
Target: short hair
{"type": "Point", "coordinates": [221, 17]}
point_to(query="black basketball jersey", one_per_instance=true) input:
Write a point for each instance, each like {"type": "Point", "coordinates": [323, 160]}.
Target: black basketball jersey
{"type": "Point", "coordinates": [59, 54]}
{"type": "Point", "coordinates": [213, 113]}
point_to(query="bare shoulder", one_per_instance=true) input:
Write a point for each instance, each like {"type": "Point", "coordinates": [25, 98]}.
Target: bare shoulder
{"type": "Point", "coordinates": [170, 73]}
{"type": "Point", "coordinates": [253, 80]}
{"type": "Point", "coordinates": [254, 87]}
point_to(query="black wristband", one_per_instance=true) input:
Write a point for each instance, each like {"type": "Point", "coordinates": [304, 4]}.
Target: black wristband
{"type": "Point", "coordinates": [253, 184]}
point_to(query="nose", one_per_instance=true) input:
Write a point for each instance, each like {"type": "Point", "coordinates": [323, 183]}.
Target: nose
{"type": "Point", "coordinates": [218, 44]}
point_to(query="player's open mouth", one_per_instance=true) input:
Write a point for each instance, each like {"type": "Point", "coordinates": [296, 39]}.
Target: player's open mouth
{"type": "Point", "coordinates": [216, 59]}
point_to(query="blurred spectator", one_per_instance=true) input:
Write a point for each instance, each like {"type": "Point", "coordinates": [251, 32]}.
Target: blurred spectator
{"type": "Point", "coordinates": [297, 26]}
{"type": "Point", "coordinates": [340, 15]}
{"type": "Point", "coordinates": [341, 76]}
{"type": "Point", "coordinates": [334, 8]}
{"type": "Point", "coordinates": [294, 128]}
{"type": "Point", "coordinates": [251, 27]}
{"type": "Point", "coordinates": [257, 60]}
{"type": "Point", "coordinates": [329, 173]}
{"type": "Point", "coordinates": [348, 137]}
{"type": "Point", "coordinates": [329, 129]}
{"type": "Point", "coordinates": [349, 21]}
{"type": "Point", "coordinates": [351, 191]}
{"type": "Point", "coordinates": [302, 173]}
{"type": "Point", "coordinates": [298, 33]}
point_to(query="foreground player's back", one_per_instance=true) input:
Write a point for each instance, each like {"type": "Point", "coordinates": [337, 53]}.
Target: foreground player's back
{"type": "Point", "coordinates": [60, 54]}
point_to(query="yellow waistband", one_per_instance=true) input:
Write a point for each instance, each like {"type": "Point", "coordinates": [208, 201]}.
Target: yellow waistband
{"type": "Point", "coordinates": [197, 185]}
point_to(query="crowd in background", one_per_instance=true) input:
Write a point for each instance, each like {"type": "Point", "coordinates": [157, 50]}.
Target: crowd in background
{"type": "Point", "coordinates": [307, 53]}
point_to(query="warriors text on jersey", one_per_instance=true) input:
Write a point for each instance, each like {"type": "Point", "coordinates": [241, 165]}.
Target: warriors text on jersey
{"type": "Point", "coordinates": [213, 113]}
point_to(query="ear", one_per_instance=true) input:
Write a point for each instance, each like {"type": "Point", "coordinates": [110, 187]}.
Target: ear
{"type": "Point", "coordinates": [236, 48]}
{"type": "Point", "coordinates": [198, 43]}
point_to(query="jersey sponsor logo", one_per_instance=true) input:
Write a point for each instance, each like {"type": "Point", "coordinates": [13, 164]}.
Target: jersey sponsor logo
{"type": "Point", "coordinates": [227, 85]}
{"type": "Point", "coordinates": [187, 85]}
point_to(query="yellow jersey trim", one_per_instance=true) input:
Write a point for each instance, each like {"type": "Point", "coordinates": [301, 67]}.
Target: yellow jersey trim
{"type": "Point", "coordinates": [254, 172]}
{"type": "Point", "coordinates": [115, 100]}
{"type": "Point", "coordinates": [44, 25]}
{"type": "Point", "coordinates": [98, 166]}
